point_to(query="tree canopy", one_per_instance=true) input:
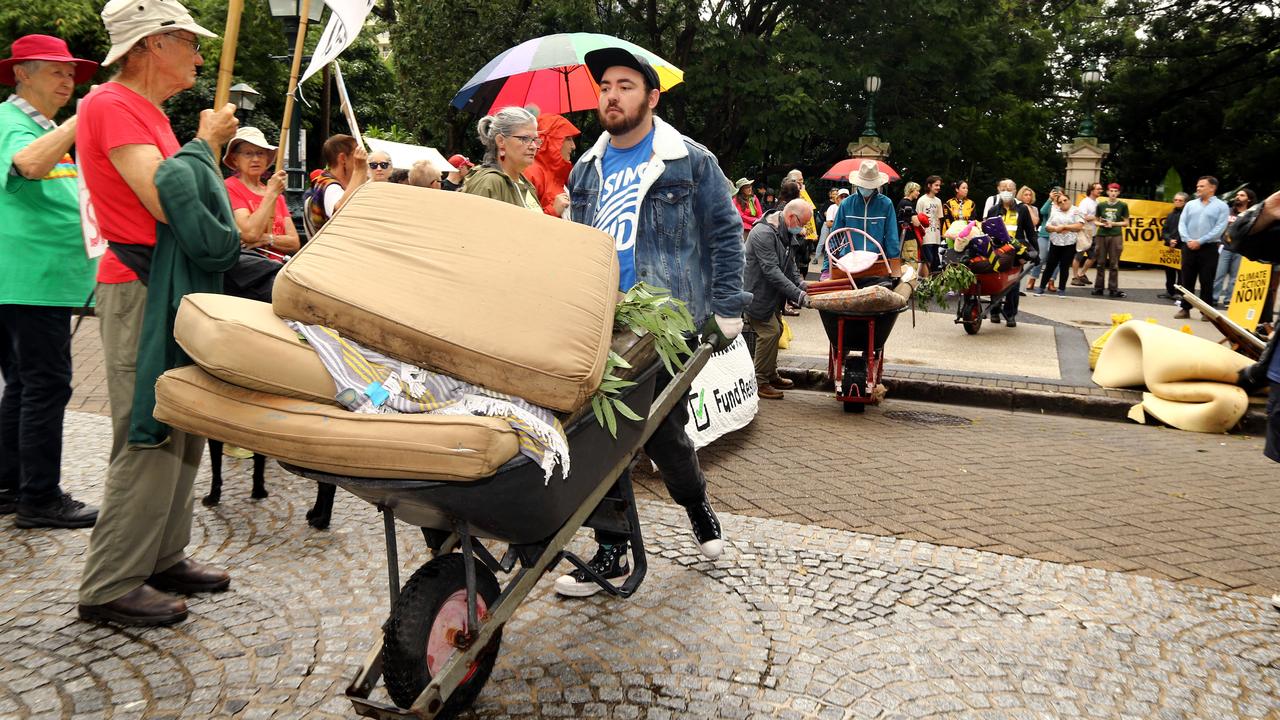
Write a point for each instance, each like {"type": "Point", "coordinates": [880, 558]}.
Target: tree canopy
{"type": "Point", "coordinates": [969, 90]}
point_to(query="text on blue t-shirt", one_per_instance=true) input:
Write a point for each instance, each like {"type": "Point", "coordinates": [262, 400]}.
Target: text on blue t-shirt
{"type": "Point", "coordinates": [619, 209]}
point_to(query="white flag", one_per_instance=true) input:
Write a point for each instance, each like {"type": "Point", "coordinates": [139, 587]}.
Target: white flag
{"type": "Point", "coordinates": [346, 18]}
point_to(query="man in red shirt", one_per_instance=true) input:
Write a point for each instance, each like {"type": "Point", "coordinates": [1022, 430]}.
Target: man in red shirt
{"type": "Point", "coordinates": [137, 550]}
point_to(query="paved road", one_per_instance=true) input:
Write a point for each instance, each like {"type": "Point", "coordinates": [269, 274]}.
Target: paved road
{"type": "Point", "coordinates": [1204, 509]}
{"type": "Point", "coordinates": [794, 621]}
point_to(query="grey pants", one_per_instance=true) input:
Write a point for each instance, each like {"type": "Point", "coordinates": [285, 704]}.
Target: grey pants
{"type": "Point", "coordinates": [768, 332]}
{"type": "Point", "coordinates": [144, 523]}
{"type": "Point", "coordinates": [1107, 249]}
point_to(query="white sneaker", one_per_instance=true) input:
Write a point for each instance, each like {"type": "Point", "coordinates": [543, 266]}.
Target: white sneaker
{"type": "Point", "coordinates": [610, 562]}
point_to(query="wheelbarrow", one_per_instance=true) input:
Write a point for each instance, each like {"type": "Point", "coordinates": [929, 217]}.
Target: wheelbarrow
{"type": "Point", "coordinates": [442, 637]}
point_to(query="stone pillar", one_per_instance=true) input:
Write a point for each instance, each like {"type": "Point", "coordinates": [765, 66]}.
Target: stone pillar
{"type": "Point", "coordinates": [869, 148]}
{"type": "Point", "coordinates": [1084, 162]}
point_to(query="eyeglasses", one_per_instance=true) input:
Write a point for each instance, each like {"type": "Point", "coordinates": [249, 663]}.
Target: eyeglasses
{"type": "Point", "coordinates": [255, 153]}
{"type": "Point", "coordinates": [533, 140]}
{"type": "Point", "coordinates": [195, 44]}
{"type": "Point", "coordinates": [380, 165]}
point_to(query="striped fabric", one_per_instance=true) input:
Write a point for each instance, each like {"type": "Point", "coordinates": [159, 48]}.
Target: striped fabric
{"type": "Point", "coordinates": [369, 382]}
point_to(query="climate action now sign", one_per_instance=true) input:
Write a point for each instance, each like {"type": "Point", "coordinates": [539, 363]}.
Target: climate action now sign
{"type": "Point", "coordinates": [1144, 237]}
{"type": "Point", "coordinates": [1250, 291]}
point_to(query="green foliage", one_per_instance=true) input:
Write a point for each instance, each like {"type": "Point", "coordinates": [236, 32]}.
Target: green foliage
{"type": "Point", "coordinates": [395, 133]}
{"type": "Point", "coordinates": [1172, 184]}
{"type": "Point", "coordinates": [933, 289]}
{"type": "Point", "coordinates": [645, 310]}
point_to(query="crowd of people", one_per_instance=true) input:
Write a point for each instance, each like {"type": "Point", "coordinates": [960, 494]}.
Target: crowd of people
{"type": "Point", "coordinates": [174, 224]}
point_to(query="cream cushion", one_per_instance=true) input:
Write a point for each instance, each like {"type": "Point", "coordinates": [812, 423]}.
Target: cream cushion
{"type": "Point", "coordinates": [494, 294]}
{"type": "Point", "coordinates": [1190, 380]}
{"type": "Point", "coordinates": [331, 439]}
{"type": "Point", "coordinates": [242, 342]}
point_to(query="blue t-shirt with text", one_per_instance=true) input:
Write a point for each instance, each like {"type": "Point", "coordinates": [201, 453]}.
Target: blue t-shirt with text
{"type": "Point", "coordinates": [619, 209]}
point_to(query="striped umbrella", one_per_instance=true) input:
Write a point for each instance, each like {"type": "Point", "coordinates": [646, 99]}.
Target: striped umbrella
{"type": "Point", "coordinates": [550, 72]}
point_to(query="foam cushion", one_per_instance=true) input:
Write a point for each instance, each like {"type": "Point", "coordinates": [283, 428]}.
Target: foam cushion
{"type": "Point", "coordinates": [331, 439]}
{"type": "Point", "coordinates": [1191, 380]}
{"type": "Point", "coordinates": [242, 342]}
{"type": "Point", "coordinates": [497, 295]}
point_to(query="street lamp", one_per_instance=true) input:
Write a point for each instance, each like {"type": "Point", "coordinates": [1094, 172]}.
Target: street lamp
{"type": "Point", "coordinates": [1091, 77]}
{"type": "Point", "coordinates": [872, 87]}
{"type": "Point", "coordinates": [289, 12]}
{"type": "Point", "coordinates": [243, 97]}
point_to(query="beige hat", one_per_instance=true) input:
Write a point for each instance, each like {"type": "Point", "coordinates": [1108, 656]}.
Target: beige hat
{"type": "Point", "coordinates": [128, 21]}
{"type": "Point", "coordinates": [868, 175]}
{"type": "Point", "coordinates": [251, 135]}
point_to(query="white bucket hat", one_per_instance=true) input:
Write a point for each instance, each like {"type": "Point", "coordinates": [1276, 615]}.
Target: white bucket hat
{"type": "Point", "coordinates": [128, 21]}
{"type": "Point", "coordinates": [251, 135]}
{"type": "Point", "coordinates": [868, 176]}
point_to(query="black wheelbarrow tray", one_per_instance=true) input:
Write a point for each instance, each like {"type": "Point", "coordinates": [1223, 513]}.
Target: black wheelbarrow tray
{"type": "Point", "coordinates": [442, 637]}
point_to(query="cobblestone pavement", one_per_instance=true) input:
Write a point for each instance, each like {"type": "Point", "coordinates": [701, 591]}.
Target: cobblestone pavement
{"type": "Point", "coordinates": [1118, 496]}
{"type": "Point", "coordinates": [794, 621]}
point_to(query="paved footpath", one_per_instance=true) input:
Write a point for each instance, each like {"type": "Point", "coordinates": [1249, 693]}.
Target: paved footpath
{"type": "Point", "coordinates": [796, 620]}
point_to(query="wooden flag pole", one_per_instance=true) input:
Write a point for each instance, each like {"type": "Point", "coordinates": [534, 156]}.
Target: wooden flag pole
{"type": "Point", "coordinates": [227, 63]}
{"type": "Point", "coordinates": [303, 11]}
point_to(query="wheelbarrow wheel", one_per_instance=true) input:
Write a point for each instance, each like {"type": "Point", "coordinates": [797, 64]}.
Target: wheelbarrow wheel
{"type": "Point", "coordinates": [419, 635]}
{"type": "Point", "coordinates": [971, 316]}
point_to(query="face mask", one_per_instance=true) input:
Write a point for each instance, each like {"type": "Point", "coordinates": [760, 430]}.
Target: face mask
{"type": "Point", "coordinates": [796, 230]}
{"type": "Point", "coordinates": [1006, 197]}
{"type": "Point", "coordinates": [866, 192]}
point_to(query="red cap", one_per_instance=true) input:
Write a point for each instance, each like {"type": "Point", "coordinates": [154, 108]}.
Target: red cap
{"type": "Point", "coordinates": [43, 47]}
{"type": "Point", "coordinates": [460, 161]}
{"type": "Point", "coordinates": [1113, 186]}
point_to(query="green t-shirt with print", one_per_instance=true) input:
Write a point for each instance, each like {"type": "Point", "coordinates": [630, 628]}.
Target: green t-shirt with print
{"type": "Point", "coordinates": [40, 236]}
{"type": "Point", "coordinates": [1115, 211]}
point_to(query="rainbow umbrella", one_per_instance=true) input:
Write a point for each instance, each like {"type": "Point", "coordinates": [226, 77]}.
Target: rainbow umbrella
{"type": "Point", "coordinates": [550, 72]}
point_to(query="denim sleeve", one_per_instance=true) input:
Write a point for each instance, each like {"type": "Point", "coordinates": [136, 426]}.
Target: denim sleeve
{"type": "Point", "coordinates": [721, 237]}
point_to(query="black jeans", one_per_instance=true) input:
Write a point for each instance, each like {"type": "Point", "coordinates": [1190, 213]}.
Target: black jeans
{"type": "Point", "coordinates": [1199, 264]}
{"type": "Point", "coordinates": [672, 451]}
{"type": "Point", "coordinates": [1059, 259]}
{"type": "Point", "coordinates": [35, 360]}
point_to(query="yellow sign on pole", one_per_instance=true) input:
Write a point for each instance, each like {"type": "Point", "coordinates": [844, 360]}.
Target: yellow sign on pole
{"type": "Point", "coordinates": [1250, 292]}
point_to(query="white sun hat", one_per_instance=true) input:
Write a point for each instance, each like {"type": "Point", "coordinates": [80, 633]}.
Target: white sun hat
{"type": "Point", "coordinates": [868, 176]}
{"type": "Point", "coordinates": [128, 21]}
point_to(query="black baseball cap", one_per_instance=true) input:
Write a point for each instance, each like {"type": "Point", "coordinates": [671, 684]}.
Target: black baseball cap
{"type": "Point", "coordinates": [604, 58]}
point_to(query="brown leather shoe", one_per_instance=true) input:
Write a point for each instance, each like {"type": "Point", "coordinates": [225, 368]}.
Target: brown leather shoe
{"type": "Point", "coordinates": [189, 576]}
{"type": "Point", "coordinates": [782, 383]}
{"type": "Point", "coordinates": [769, 392]}
{"type": "Point", "coordinates": [141, 606]}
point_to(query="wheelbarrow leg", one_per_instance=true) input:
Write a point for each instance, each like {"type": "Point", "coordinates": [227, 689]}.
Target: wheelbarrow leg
{"type": "Point", "coordinates": [393, 553]}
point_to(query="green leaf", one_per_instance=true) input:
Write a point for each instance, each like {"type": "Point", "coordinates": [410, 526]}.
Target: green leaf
{"type": "Point", "coordinates": [624, 410]}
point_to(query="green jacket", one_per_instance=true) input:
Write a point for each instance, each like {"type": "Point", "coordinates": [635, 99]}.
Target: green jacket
{"type": "Point", "coordinates": [492, 182]}
{"type": "Point", "coordinates": [199, 243]}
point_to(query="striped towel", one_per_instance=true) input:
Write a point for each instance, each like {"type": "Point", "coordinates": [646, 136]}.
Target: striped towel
{"type": "Point", "coordinates": [370, 382]}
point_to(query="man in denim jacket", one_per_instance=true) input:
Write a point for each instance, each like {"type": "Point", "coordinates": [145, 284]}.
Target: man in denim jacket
{"type": "Point", "coordinates": [666, 203]}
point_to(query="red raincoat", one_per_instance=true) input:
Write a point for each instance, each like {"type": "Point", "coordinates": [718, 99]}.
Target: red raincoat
{"type": "Point", "coordinates": [550, 170]}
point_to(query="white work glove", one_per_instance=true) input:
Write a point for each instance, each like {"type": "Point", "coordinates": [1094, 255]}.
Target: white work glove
{"type": "Point", "coordinates": [729, 327]}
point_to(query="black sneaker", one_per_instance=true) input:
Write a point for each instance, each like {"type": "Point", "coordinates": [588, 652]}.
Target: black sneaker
{"type": "Point", "coordinates": [610, 563]}
{"type": "Point", "coordinates": [1096, 292]}
{"type": "Point", "coordinates": [706, 528]}
{"type": "Point", "coordinates": [8, 502]}
{"type": "Point", "coordinates": [65, 512]}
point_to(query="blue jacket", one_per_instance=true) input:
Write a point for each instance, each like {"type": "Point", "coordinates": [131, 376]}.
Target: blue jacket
{"type": "Point", "coordinates": [875, 216]}
{"type": "Point", "coordinates": [689, 236]}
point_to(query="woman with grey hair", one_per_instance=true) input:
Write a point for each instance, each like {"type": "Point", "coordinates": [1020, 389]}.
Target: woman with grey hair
{"type": "Point", "coordinates": [510, 138]}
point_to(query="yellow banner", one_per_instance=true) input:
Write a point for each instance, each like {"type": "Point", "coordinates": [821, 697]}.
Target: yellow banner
{"type": "Point", "coordinates": [1143, 239]}
{"type": "Point", "coordinates": [1252, 281]}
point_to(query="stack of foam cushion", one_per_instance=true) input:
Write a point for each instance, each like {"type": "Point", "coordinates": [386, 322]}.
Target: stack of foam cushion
{"type": "Point", "coordinates": [492, 294]}
{"type": "Point", "coordinates": [1190, 381]}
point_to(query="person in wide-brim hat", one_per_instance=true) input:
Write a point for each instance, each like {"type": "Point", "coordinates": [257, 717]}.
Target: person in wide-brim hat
{"type": "Point", "coordinates": [868, 175]}
{"type": "Point", "coordinates": [45, 48]}
{"type": "Point", "coordinates": [250, 135]}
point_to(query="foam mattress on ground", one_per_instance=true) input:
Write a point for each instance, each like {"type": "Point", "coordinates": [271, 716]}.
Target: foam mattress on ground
{"type": "Point", "coordinates": [331, 439]}
{"type": "Point", "coordinates": [242, 342]}
{"type": "Point", "coordinates": [497, 295]}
